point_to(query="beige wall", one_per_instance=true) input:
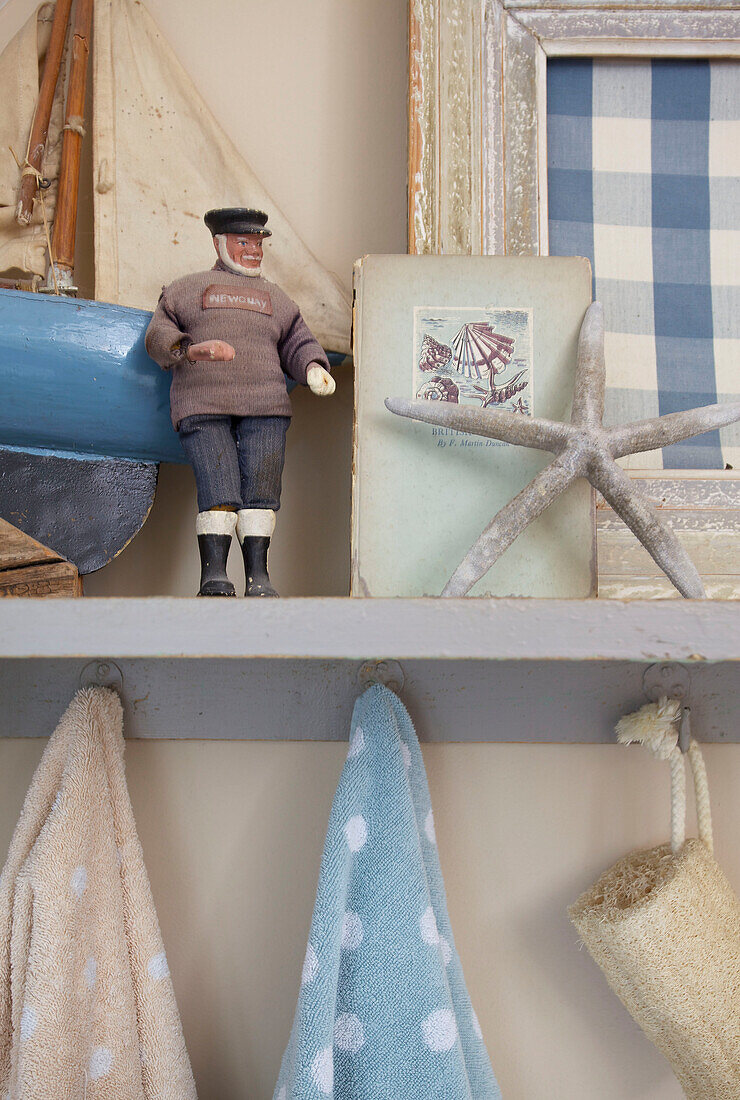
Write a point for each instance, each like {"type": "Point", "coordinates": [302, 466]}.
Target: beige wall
{"type": "Point", "coordinates": [232, 831]}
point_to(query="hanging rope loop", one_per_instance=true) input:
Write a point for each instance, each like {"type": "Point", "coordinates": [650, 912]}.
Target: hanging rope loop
{"type": "Point", "coordinates": [655, 726]}
{"type": "Point", "coordinates": [701, 795]}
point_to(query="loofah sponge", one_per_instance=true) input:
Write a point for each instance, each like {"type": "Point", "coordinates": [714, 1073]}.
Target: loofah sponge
{"type": "Point", "coordinates": [664, 926]}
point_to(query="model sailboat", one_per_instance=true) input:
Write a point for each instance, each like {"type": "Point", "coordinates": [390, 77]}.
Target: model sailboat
{"type": "Point", "coordinates": [85, 416]}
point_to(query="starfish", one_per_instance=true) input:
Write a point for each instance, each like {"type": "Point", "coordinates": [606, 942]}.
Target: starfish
{"type": "Point", "coordinates": [582, 448]}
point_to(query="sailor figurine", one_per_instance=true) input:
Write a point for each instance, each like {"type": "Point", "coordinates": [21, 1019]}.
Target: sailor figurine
{"type": "Point", "coordinates": [230, 337]}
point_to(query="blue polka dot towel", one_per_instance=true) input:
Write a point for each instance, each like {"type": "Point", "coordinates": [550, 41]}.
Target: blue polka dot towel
{"type": "Point", "coordinates": [383, 1012]}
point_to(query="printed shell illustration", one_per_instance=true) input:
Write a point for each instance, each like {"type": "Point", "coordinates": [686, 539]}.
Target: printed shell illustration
{"type": "Point", "coordinates": [433, 354]}
{"type": "Point", "coordinates": [438, 388]}
{"type": "Point", "coordinates": [477, 347]}
{"type": "Point", "coordinates": [583, 448]}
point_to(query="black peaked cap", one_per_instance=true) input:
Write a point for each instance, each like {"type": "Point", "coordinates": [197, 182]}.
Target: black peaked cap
{"type": "Point", "coordinates": [237, 219]}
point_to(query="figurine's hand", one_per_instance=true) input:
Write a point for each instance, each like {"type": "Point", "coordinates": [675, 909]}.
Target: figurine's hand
{"type": "Point", "coordinates": [320, 381]}
{"type": "Point", "coordinates": [216, 350]}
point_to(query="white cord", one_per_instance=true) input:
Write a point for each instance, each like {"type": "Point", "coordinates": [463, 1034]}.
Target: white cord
{"type": "Point", "coordinates": [678, 801]}
{"type": "Point", "coordinates": [654, 727]}
{"type": "Point", "coordinates": [701, 795]}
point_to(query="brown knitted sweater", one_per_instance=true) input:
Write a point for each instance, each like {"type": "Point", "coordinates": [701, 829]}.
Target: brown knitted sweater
{"type": "Point", "coordinates": [258, 319]}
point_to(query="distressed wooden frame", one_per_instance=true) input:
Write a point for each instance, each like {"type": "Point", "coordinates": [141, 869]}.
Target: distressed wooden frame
{"type": "Point", "coordinates": [478, 108]}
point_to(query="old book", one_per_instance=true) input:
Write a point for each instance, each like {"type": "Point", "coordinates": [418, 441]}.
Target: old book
{"type": "Point", "coordinates": [478, 330]}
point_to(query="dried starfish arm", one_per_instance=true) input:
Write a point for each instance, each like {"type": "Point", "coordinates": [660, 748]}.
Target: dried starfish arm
{"type": "Point", "coordinates": [526, 431]}
{"type": "Point", "coordinates": [632, 506]}
{"type": "Point", "coordinates": [589, 385]}
{"type": "Point", "coordinates": [660, 431]}
{"type": "Point", "coordinates": [507, 524]}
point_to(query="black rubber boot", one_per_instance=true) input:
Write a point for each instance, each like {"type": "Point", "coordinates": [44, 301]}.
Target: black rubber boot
{"type": "Point", "coordinates": [254, 549]}
{"type": "Point", "coordinates": [214, 550]}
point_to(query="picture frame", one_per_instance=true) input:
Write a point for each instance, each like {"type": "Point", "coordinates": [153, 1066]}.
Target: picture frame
{"type": "Point", "coordinates": [478, 169]}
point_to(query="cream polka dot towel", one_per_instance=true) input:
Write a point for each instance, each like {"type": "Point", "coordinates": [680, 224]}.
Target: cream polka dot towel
{"type": "Point", "coordinates": [383, 1011]}
{"type": "Point", "coordinates": [87, 1009]}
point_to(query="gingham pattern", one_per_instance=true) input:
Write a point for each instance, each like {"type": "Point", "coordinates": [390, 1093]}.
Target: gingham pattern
{"type": "Point", "coordinates": [643, 166]}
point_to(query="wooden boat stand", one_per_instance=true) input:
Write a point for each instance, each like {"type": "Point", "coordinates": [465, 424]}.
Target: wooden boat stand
{"type": "Point", "coordinates": [29, 569]}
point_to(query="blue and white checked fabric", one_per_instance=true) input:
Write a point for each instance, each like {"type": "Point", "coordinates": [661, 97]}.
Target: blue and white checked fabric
{"type": "Point", "coordinates": [643, 166]}
{"type": "Point", "coordinates": [383, 1012]}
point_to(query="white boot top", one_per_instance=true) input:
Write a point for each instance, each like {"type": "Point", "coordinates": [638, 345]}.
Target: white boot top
{"type": "Point", "coordinates": [255, 521]}
{"type": "Point", "coordinates": [215, 522]}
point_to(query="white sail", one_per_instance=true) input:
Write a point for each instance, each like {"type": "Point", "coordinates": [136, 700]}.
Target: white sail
{"type": "Point", "coordinates": [23, 250]}
{"type": "Point", "coordinates": [161, 160]}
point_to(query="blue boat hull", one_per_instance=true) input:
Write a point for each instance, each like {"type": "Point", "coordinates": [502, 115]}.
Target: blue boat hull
{"type": "Point", "coordinates": [75, 378]}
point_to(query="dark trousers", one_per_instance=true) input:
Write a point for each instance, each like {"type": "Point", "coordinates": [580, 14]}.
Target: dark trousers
{"type": "Point", "coordinates": [237, 460]}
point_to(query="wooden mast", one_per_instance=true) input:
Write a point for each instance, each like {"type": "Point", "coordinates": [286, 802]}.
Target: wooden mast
{"type": "Point", "coordinates": [40, 127]}
{"type": "Point", "coordinates": [65, 219]}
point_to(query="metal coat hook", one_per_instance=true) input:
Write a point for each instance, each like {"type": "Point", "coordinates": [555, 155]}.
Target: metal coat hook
{"type": "Point", "coordinates": [102, 673]}
{"type": "Point", "coordinates": [684, 730]}
{"type": "Point", "coordinates": [673, 681]}
{"type": "Point", "coordinates": [388, 673]}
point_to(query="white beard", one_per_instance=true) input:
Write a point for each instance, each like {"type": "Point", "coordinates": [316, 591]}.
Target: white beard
{"type": "Point", "coordinates": [226, 259]}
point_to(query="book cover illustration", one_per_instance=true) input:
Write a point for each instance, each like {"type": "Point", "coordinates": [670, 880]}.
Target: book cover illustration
{"type": "Point", "coordinates": [474, 356]}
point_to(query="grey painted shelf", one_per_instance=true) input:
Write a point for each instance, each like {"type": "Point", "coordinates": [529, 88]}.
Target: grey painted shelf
{"type": "Point", "coordinates": [474, 670]}
{"type": "Point", "coordinates": [353, 629]}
